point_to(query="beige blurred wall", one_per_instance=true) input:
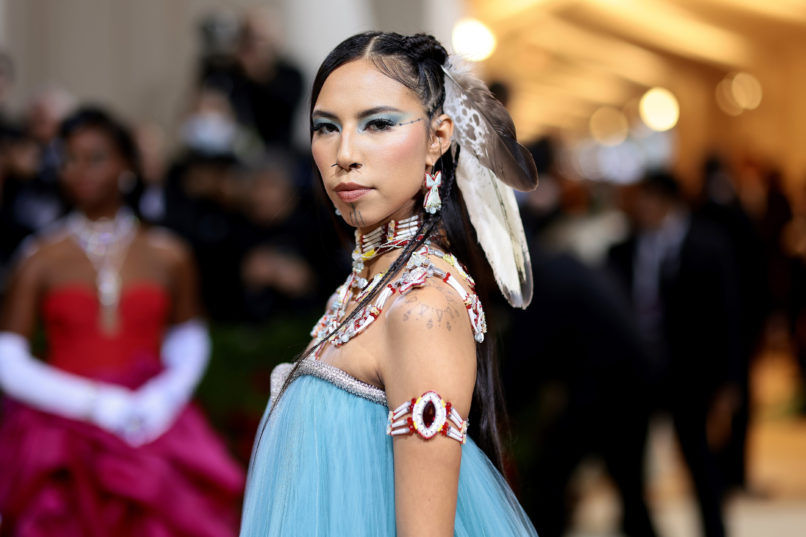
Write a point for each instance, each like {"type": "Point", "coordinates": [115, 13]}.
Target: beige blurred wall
{"type": "Point", "coordinates": [138, 56]}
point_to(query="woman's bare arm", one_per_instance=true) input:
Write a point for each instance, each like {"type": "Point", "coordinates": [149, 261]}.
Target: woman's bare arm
{"type": "Point", "coordinates": [431, 347]}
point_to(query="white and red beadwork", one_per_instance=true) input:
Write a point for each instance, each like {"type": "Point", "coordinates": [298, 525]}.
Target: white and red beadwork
{"type": "Point", "coordinates": [417, 270]}
{"type": "Point", "coordinates": [430, 415]}
{"type": "Point", "coordinates": [431, 202]}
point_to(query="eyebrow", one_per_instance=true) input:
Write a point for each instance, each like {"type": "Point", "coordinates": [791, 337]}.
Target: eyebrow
{"type": "Point", "coordinates": [365, 113]}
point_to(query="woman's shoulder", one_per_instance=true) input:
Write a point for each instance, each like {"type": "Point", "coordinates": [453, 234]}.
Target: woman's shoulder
{"type": "Point", "coordinates": [44, 247]}
{"type": "Point", "coordinates": [431, 307]}
{"type": "Point", "coordinates": [430, 316]}
{"type": "Point", "coordinates": [430, 345]}
{"type": "Point", "coordinates": [435, 303]}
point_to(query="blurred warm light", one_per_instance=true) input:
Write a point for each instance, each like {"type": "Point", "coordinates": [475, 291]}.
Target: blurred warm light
{"type": "Point", "coordinates": [725, 100]}
{"type": "Point", "coordinates": [608, 126]}
{"type": "Point", "coordinates": [662, 23]}
{"type": "Point", "coordinates": [473, 40]}
{"type": "Point", "coordinates": [746, 90]}
{"type": "Point", "coordinates": [659, 109]}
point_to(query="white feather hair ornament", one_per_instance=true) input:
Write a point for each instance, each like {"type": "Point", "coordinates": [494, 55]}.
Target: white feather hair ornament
{"type": "Point", "coordinates": [491, 163]}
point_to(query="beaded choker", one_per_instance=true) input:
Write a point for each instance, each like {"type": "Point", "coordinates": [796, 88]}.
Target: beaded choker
{"type": "Point", "coordinates": [394, 234]}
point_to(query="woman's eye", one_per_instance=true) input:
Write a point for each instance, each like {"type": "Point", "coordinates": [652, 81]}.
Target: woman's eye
{"type": "Point", "coordinates": [379, 125]}
{"type": "Point", "coordinates": [324, 128]}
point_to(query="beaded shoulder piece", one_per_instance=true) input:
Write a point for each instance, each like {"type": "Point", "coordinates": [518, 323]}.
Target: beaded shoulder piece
{"type": "Point", "coordinates": [417, 270]}
{"type": "Point", "coordinates": [430, 415]}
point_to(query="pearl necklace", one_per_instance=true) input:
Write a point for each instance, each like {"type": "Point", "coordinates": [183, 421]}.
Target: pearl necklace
{"type": "Point", "coordinates": [105, 242]}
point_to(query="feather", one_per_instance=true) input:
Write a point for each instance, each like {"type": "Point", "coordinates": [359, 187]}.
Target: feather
{"type": "Point", "coordinates": [493, 212]}
{"type": "Point", "coordinates": [483, 127]}
{"type": "Point", "coordinates": [490, 164]}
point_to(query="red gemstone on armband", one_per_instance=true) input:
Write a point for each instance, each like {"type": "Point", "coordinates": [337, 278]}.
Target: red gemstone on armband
{"type": "Point", "coordinates": [411, 405]}
{"type": "Point", "coordinates": [444, 429]}
{"type": "Point", "coordinates": [447, 277]}
{"type": "Point", "coordinates": [448, 407]}
{"type": "Point", "coordinates": [429, 413]}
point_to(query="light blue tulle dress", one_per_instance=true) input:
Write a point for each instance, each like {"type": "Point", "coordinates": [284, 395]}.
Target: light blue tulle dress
{"type": "Point", "coordinates": [323, 466]}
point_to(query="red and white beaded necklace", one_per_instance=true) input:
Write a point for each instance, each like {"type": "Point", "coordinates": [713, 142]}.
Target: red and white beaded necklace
{"type": "Point", "coordinates": [417, 270]}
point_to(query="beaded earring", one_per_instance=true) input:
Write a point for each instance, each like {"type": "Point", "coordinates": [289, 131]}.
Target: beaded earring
{"type": "Point", "coordinates": [431, 202]}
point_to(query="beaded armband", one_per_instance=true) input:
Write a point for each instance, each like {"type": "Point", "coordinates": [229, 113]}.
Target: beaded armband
{"type": "Point", "coordinates": [430, 415]}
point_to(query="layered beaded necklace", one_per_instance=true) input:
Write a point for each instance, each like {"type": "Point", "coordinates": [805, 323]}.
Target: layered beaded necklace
{"type": "Point", "coordinates": [417, 270]}
{"type": "Point", "coordinates": [105, 243]}
{"type": "Point", "coordinates": [383, 239]}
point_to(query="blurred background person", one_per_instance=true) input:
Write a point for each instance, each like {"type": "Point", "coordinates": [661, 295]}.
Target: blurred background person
{"type": "Point", "coordinates": [99, 438]}
{"type": "Point", "coordinates": [44, 113]}
{"type": "Point", "coordinates": [263, 87]}
{"type": "Point", "coordinates": [285, 235]}
{"type": "Point", "coordinates": [152, 146]}
{"type": "Point", "coordinates": [576, 377]}
{"type": "Point", "coordinates": [19, 166]}
{"type": "Point", "coordinates": [32, 198]}
{"type": "Point", "coordinates": [202, 197]}
{"type": "Point", "coordinates": [679, 273]}
{"type": "Point", "coordinates": [794, 241]}
{"type": "Point", "coordinates": [719, 204]}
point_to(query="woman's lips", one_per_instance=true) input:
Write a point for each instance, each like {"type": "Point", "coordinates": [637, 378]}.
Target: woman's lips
{"type": "Point", "coordinates": [350, 192]}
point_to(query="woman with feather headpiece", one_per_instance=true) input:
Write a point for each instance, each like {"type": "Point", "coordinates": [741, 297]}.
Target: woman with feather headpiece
{"type": "Point", "coordinates": [388, 422]}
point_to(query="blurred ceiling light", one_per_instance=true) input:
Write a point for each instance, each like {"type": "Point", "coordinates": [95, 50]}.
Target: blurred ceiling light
{"type": "Point", "coordinates": [608, 126]}
{"type": "Point", "coordinates": [659, 109]}
{"type": "Point", "coordinates": [724, 98]}
{"type": "Point", "coordinates": [746, 90]}
{"type": "Point", "coordinates": [473, 40]}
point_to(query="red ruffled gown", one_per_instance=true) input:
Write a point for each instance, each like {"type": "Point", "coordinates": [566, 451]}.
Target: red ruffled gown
{"type": "Point", "coordinates": [60, 477]}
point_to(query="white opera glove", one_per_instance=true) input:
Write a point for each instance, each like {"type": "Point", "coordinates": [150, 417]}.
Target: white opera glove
{"type": "Point", "coordinates": [185, 354]}
{"type": "Point", "coordinates": [49, 389]}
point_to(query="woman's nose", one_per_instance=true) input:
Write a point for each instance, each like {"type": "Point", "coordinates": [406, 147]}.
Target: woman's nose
{"type": "Point", "coordinates": [347, 157]}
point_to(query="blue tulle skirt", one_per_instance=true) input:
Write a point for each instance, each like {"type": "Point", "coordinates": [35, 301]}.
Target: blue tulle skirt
{"type": "Point", "coordinates": [323, 466]}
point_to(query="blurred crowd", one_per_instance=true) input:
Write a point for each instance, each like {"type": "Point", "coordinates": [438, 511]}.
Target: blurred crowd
{"type": "Point", "coordinates": [648, 297]}
{"type": "Point", "coordinates": [232, 184]}
{"type": "Point", "coordinates": [653, 297]}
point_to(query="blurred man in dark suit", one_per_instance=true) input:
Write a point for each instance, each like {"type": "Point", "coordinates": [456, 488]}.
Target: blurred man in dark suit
{"type": "Point", "coordinates": [679, 272]}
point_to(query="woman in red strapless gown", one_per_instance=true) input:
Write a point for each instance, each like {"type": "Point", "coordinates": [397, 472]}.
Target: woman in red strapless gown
{"type": "Point", "coordinates": [63, 474]}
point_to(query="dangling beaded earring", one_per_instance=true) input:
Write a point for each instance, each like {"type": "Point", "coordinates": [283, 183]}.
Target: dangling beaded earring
{"type": "Point", "coordinates": [431, 202]}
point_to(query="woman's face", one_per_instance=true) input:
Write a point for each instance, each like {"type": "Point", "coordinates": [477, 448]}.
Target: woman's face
{"type": "Point", "coordinates": [92, 168]}
{"type": "Point", "coordinates": [372, 143]}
